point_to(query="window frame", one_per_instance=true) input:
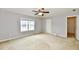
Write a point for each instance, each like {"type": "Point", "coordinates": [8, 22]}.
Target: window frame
{"type": "Point", "coordinates": [26, 19]}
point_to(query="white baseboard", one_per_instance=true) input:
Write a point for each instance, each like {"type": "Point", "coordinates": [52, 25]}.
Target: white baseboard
{"type": "Point", "coordinates": [77, 38]}
{"type": "Point", "coordinates": [19, 37]}
{"type": "Point", "coordinates": [3, 40]}
{"type": "Point", "coordinates": [58, 35]}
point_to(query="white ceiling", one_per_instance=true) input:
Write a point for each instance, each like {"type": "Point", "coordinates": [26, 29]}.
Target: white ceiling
{"type": "Point", "coordinates": [53, 11]}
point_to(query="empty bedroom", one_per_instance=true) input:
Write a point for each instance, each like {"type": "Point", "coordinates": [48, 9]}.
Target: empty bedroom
{"type": "Point", "coordinates": [39, 28]}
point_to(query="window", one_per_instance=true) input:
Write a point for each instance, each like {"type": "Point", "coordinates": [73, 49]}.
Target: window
{"type": "Point", "coordinates": [31, 25]}
{"type": "Point", "coordinates": [27, 25]}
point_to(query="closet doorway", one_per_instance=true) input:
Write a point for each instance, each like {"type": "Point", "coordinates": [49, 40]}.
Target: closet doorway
{"type": "Point", "coordinates": [71, 26]}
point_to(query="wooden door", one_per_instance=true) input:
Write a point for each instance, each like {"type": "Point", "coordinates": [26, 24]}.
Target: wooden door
{"type": "Point", "coordinates": [71, 26]}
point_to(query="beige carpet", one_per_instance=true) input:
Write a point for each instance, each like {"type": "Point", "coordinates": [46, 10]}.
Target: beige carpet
{"type": "Point", "coordinates": [41, 42]}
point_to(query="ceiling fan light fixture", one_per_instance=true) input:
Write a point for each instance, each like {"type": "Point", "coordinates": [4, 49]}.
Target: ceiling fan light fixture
{"type": "Point", "coordinates": [40, 13]}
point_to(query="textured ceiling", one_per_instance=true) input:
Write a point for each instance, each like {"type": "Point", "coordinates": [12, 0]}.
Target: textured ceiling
{"type": "Point", "coordinates": [53, 11]}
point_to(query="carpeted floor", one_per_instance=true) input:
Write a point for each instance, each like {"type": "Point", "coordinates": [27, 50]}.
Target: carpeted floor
{"type": "Point", "coordinates": [41, 42]}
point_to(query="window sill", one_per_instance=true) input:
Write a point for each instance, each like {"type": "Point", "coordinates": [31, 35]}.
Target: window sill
{"type": "Point", "coordinates": [27, 31]}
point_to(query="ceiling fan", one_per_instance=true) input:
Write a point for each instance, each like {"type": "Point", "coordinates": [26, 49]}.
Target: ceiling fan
{"type": "Point", "coordinates": [40, 11]}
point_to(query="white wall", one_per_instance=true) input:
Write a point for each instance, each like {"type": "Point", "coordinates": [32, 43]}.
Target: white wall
{"type": "Point", "coordinates": [58, 25]}
{"type": "Point", "coordinates": [10, 27]}
{"type": "Point", "coordinates": [48, 25]}
{"type": "Point", "coordinates": [62, 26]}
{"type": "Point", "coordinates": [55, 25]}
{"type": "Point", "coordinates": [77, 28]}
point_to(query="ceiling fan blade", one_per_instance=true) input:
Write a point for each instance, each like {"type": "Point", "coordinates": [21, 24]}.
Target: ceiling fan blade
{"type": "Point", "coordinates": [40, 11]}
{"type": "Point", "coordinates": [36, 13]}
{"type": "Point", "coordinates": [45, 11]}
